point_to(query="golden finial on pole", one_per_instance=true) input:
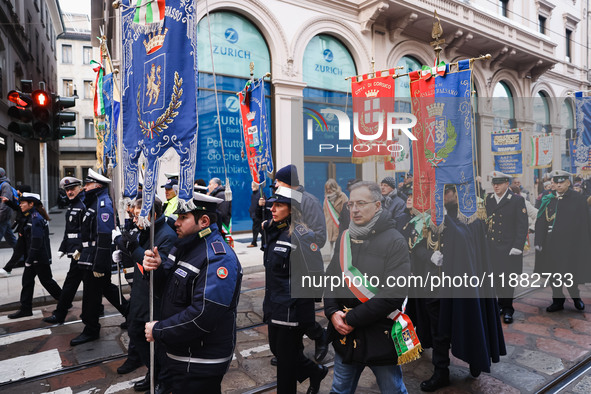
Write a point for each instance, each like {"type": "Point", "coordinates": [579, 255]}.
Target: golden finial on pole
{"type": "Point", "coordinates": [436, 34]}
{"type": "Point", "coordinates": [116, 4]}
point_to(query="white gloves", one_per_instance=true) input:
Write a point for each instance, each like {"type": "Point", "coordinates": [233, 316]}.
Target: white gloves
{"type": "Point", "coordinates": [117, 256]}
{"type": "Point", "coordinates": [60, 255]}
{"type": "Point", "coordinates": [116, 232]}
{"type": "Point", "coordinates": [97, 274]}
{"type": "Point", "coordinates": [76, 255]}
{"type": "Point", "coordinates": [515, 252]}
{"type": "Point", "coordinates": [437, 258]}
{"type": "Point", "coordinates": [538, 248]}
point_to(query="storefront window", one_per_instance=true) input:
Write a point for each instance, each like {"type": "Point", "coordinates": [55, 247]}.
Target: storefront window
{"type": "Point", "coordinates": [236, 42]}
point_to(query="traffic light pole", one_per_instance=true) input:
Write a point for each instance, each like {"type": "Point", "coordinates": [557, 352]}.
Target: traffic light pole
{"type": "Point", "coordinates": [43, 174]}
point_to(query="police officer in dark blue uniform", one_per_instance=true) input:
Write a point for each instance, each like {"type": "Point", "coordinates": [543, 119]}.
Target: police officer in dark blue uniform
{"type": "Point", "coordinates": [201, 285]}
{"type": "Point", "coordinates": [71, 246]}
{"type": "Point", "coordinates": [38, 255]}
{"type": "Point", "coordinates": [507, 231]}
{"type": "Point", "coordinates": [289, 317]}
{"type": "Point", "coordinates": [95, 257]}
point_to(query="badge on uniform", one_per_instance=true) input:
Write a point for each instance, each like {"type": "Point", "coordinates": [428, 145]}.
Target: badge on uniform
{"type": "Point", "coordinates": [102, 203]}
{"type": "Point", "coordinates": [104, 217]}
{"type": "Point", "coordinates": [280, 249]}
{"type": "Point", "coordinates": [222, 272]}
{"type": "Point", "coordinates": [204, 232]}
{"type": "Point", "coordinates": [301, 229]}
{"type": "Point", "coordinates": [218, 247]}
{"type": "Point", "coordinates": [314, 247]}
{"type": "Point", "coordinates": [524, 210]}
{"type": "Point", "coordinates": [180, 272]}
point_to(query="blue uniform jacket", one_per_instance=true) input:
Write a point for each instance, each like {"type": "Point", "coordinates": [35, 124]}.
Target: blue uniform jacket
{"type": "Point", "coordinates": [37, 239]}
{"type": "Point", "coordinates": [72, 240]}
{"type": "Point", "coordinates": [97, 225]}
{"type": "Point", "coordinates": [288, 258]}
{"type": "Point", "coordinates": [201, 292]}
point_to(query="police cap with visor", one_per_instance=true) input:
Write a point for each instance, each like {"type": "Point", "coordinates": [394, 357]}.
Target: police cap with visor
{"type": "Point", "coordinates": [201, 202]}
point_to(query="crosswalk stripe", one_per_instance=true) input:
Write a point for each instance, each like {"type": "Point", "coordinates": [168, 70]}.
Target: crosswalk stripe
{"type": "Point", "coordinates": [22, 336]}
{"type": "Point", "coordinates": [22, 367]}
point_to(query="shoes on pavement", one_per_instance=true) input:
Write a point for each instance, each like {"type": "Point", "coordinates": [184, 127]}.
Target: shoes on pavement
{"type": "Point", "coordinates": [4, 273]}
{"type": "Point", "coordinates": [252, 246]}
{"type": "Point", "coordinates": [274, 361]}
{"type": "Point", "coordinates": [439, 380]}
{"type": "Point", "coordinates": [321, 347]}
{"type": "Point", "coordinates": [579, 304]}
{"type": "Point", "coordinates": [555, 306]}
{"type": "Point", "coordinates": [20, 313]}
{"type": "Point", "coordinates": [508, 318]}
{"type": "Point", "coordinates": [128, 366]}
{"type": "Point", "coordinates": [53, 319]}
{"type": "Point", "coordinates": [475, 372]}
{"type": "Point", "coordinates": [160, 389]}
{"type": "Point", "coordinates": [144, 384]}
{"type": "Point", "coordinates": [316, 379]}
{"type": "Point", "coordinates": [83, 338]}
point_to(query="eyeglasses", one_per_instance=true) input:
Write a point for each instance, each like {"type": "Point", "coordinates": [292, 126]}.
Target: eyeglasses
{"type": "Point", "coordinates": [358, 204]}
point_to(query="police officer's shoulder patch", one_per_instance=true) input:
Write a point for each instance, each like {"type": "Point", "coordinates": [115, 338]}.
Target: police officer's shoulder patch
{"type": "Point", "coordinates": [301, 229]}
{"type": "Point", "coordinates": [509, 196]}
{"type": "Point", "coordinates": [104, 217]}
{"type": "Point", "coordinates": [222, 272]}
{"type": "Point", "coordinates": [218, 247]}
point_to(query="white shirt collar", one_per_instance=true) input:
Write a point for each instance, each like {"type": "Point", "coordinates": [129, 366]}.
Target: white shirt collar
{"type": "Point", "coordinates": [500, 198]}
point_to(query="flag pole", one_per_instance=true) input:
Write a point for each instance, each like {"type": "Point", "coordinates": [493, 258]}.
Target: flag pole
{"type": "Point", "coordinates": [151, 297]}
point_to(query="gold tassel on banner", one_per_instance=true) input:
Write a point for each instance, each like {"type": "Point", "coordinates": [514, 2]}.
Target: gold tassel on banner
{"type": "Point", "coordinates": [411, 355]}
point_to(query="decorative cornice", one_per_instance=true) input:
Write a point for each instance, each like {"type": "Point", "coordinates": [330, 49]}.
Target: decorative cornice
{"type": "Point", "coordinates": [545, 8]}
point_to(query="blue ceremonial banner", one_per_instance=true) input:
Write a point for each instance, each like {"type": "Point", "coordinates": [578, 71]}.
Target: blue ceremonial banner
{"type": "Point", "coordinates": [159, 93]}
{"type": "Point", "coordinates": [257, 141]}
{"type": "Point", "coordinates": [443, 153]}
{"type": "Point", "coordinates": [511, 164]}
{"type": "Point", "coordinates": [111, 120]}
{"type": "Point", "coordinates": [506, 151]}
{"type": "Point", "coordinates": [583, 144]}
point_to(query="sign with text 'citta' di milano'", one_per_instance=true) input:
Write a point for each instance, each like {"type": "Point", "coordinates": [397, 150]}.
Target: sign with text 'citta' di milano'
{"type": "Point", "coordinates": [159, 92]}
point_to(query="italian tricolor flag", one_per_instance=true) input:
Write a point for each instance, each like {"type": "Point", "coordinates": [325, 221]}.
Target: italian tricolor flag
{"type": "Point", "coordinates": [149, 11]}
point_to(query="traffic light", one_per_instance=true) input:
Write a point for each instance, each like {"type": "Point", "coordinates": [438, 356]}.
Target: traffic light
{"type": "Point", "coordinates": [60, 131]}
{"type": "Point", "coordinates": [42, 115]}
{"type": "Point", "coordinates": [22, 113]}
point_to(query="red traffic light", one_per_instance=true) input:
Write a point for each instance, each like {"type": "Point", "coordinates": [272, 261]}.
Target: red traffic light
{"type": "Point", "coordinates": [41, 98]}
{"type": "Point", "coordinates": [18, 98]}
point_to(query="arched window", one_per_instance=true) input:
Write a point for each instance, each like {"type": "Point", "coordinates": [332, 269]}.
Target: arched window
{"type": "Point", "coordinates": [326, 64]}
{"type": "Point", "coordinates": [503, 107]}
{"type": "Point", "coordinates": [541, 112]}
{"type": "Point", "coordinates": [235, 42]}
{"type": "Point", "coordinates": [568, 135]}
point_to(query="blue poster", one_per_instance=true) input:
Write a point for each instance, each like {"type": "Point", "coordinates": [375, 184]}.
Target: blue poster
{"type": "Point", "coordinates": [510, 164]}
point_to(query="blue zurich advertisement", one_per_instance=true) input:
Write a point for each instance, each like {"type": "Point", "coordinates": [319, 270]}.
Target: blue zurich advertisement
{"type": "Point", "coordinates": [236, 43]}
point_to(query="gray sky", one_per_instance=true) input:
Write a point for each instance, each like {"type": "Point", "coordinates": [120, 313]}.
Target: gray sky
{"type": "Point", "coordinates": [75, 6]}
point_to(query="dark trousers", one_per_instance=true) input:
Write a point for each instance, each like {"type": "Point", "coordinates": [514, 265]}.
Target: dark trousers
{"type": "Point", "coordinates": [43, 271]}
{"type": "Point", "coordinates": [94, 289]}
{"type": "Point", "coordinates": [69, 289]}
{"type": "Point", "coordinates": [17, 255]}
{"type": "Point", "coordinates": [314, 332]}
{"type": "Point", "coordinates": [558, 295]}
{"type": "Point", "coordinates": [506, 305]}
{"type": "Point", "coordinates": [292, 365]}
{"type": "Point", "coordinates": [186, 379]}
{"type": "Point", "coordinates": [256, 229]}
{"type": "Point", "coordinates": [137, 337]}
{"type": "Point", "coordinates": [441, 341]}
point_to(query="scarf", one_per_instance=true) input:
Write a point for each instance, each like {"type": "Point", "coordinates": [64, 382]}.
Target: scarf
{"type": "Point", "coordinates": [363, 231]}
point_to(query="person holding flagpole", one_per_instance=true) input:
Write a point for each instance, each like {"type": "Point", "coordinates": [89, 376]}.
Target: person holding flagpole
{"type": "Point", "coordinates": [334, 201]}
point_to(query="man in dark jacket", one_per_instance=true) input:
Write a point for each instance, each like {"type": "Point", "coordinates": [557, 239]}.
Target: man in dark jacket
{"type": "Point", "coordinates": [95, 257]}
{"type": "Point", "coordinates": [132, 250]}
{"type": "Point", "coordinates": [563, 241]}
{"type": "Point", "coordinates": [201, 285]}
{"type": "Point", "coordinates": [71, 244]}
{"type": "Point", "coordinates": [391, 201]}
{"type": "Point", "coordinates": [506, 217]}
{"type": "Point", "coordinates": [313, 218]}
{"type": "Point", "coordinates": [6, 214]}
{"type": "Point", "coordinates": [256, 213]}
{"type": "Point", "coordinates": [371, 247]}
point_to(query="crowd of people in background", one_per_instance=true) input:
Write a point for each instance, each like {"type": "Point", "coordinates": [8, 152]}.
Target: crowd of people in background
{"type": "Point", "coordinates": [370, 230]}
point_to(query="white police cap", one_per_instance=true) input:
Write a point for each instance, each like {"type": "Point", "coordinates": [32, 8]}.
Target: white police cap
{"type": "Point", "coordinates": [93, 176]}
{"type": "Point", "coordinates": [70, 181]}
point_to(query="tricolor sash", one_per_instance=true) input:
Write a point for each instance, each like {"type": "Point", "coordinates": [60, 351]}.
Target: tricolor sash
{"type": "Point", "coordinates": [406, 341]}
{"type": "Point", "coordinates": [334, 215]}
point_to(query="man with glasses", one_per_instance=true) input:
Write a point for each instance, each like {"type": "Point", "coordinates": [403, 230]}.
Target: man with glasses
{"type": "Point", "coordinates": [371, 247]}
